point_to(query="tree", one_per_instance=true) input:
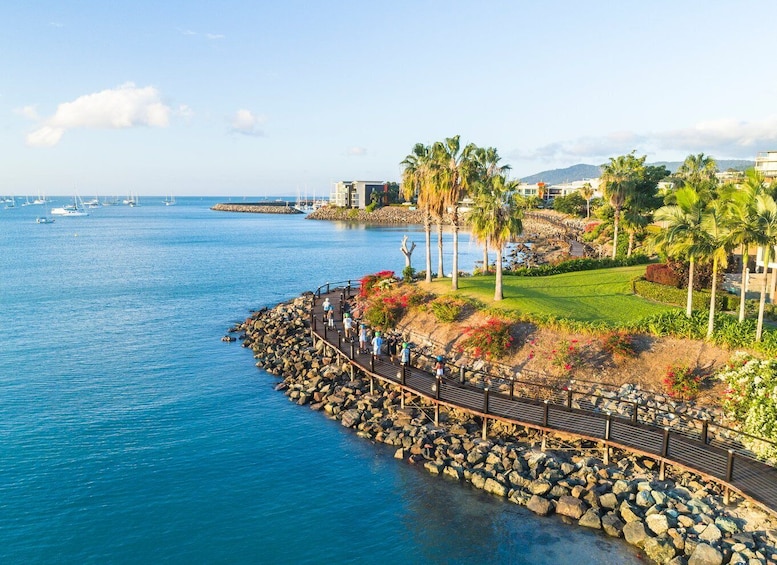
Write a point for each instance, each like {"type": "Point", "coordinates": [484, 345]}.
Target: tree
{"type": "Point", "coordinates": [618, 178]}
{"type": "Point", "coordinates": [715, 222]}
{"type": "Point", "coordinates": [587, 192]}
{"type": "Point", "coordinates": [683, 235]}
{"type": "Point", "coordinates": [743, 230]}
{"type": "Point", "coordinates": [453, 166]}
{"type": "Point", "coordinates": [698, 170]}
{"type": "Point", "coordinates": [765, 219]}
{"type": "Point", "coordinates": [496, 219]}
{"type": "Point", "coordinates": [484, 166]}
{"type": "Point", "coordinates": [416, 183]}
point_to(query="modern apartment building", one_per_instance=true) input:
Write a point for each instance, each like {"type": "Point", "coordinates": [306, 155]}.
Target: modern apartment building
{"type": "Point", "coordinates": [356, 193]}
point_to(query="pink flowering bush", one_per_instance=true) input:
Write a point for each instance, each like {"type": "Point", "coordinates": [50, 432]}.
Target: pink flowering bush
{"type": "Point", "coordinates": [492, 340]}
{"type": "Point", "coordinates": [680, 381]}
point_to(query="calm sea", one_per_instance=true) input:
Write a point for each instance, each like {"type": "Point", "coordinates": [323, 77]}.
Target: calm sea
{"type": "Point", "coordinates": [129, 433]}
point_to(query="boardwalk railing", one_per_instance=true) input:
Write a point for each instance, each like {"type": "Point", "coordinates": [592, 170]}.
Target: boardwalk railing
{"type": "Point", "coordinates": [549, 407]}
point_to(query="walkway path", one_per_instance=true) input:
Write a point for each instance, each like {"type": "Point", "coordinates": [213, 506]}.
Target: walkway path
{"type": "Point", "coordinates": [751, 478]}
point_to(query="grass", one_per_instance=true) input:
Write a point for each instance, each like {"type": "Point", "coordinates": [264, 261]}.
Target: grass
{"type": "Point", "coordinates": [603, 295]}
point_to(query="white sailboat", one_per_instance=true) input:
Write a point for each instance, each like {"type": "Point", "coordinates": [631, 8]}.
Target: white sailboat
{"type": "Point", "coordinates": [170, 201]}
{"type": "Point", "coordinates": [71, 210]}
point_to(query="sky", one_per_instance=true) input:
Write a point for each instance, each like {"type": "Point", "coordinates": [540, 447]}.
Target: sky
{"type": "Point", "coordinates": [259, 98]}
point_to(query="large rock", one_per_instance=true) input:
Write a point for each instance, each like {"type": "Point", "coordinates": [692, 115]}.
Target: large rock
{"type": "Point", "coordinates": [591, 520]}
{"type": "Point", "coordinates": [711, 533]}
{"type": "Point", "coordinates": [539, 505]}
{"type": "Point", "coordinates": [660, 549]}
{"type": "Point", "coordinates": [629, 513]}
{"type": "Point", "coordinates": [705, 555]}
{"type": "Point", "coordinates": [571, 506]}
{"type": "Point", "coordinates": [612, 525]}
{"type": "Point", "coordinates": [351, 418]}
{"type": "Point", "coordinates": [657, 523]}
{"type": "Point", "coordinates": [635, 533]}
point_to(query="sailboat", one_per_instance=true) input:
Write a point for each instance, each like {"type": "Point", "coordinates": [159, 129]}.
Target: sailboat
{"type": "Point", "coordinates": [170, 201]}
{"type": "Point", "coordinates": [71, 210]}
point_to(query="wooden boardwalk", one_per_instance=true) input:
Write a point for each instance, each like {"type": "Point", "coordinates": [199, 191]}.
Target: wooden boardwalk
{"type": "Point", "coordinates": [715, 460]}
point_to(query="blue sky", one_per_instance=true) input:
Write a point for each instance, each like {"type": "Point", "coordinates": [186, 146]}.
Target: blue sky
{"type": "Point", "coordinates": [264, 98]}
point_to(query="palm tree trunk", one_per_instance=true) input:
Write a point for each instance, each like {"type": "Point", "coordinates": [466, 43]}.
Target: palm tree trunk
{"type": "Point", "coordinates": [587, 208]}
{"type": "Point", "coordinates": [743, 286]}
{"type": "Point", "coordinates": [498, 279]}
{"type": "Point", "coordinates": [631, 243]}
{"type": "Point", "coordinates": [485, 258]}
{"type": "Point", "coordinates": [689, 301]}
{"type": "Point", "coordinates": [762, 303]}
{"type": "Point", "coordinates": [711, 320]}
{"type": "Point", "coordinates": [428, 234]}
{"type": "Point", "coordinates": [455, 271]}
{"type": "Point", "coordinates": [440, 270]}
{"type": "Point", "coordinates": [615, 222]}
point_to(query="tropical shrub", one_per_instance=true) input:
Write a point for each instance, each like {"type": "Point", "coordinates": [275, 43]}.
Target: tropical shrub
{"type": "Point", "coordinates": [619, 344]}
{"type": "Point", "coordinates": [679, 296]}
{"type": "Point", "coordinates": [680, 381]}
{"type": "Point", "coordinates": [662, 273]}
{"type": "Point", "coordinates": [385, 308]}
{"type": "Point", "coordinates": [575, 265]}
{"type": "Point", "coordinates": [408, 273]}
{"type": "Point", "coordinates": [377, 282]}
{"type": "Point", "coordinates": [491, 340]}
{"type": "Point", "coordinates": [567, 356]}
{"type": "Point", "coordinates": [446, 308]}
{"type": "Point", "coordinates": [751, 399]}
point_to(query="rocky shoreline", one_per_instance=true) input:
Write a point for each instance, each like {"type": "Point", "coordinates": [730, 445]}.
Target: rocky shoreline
{"type": "Point", "coordinates": [256, 208]}
{"type": "Point", "coordinates": [680, 520]}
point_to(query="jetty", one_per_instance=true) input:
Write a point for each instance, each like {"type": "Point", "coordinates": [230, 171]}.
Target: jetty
{"type": "Point", "coordinates": [270, 207]}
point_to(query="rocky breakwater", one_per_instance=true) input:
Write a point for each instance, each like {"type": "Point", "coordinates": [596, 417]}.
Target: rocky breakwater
{"type": "Point", "coordinates": [389, 215]}
{"type": "Point", "coordinates": [680, 520]}
{"type": "Point", "coordinates": [255, 208]}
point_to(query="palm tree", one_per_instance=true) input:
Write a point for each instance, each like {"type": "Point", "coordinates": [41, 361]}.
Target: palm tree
{"type": "Point", "coordinates": [765, 218]}
{"type": "Point", "coordinates": [416, 177]}
{"type": "Point", "coordinates": [744, 231]}
{"type": "Point", "coordinates": [485, 166]}
{"type": "Point", "coordinates": [698, 170]}
{"type": "Point", "coordinates": [496, 219]}
{"type": "Point", "coordinates": [587, 192]}
{"type": "Point", "coordinates": [683, 235]}
{"type": "Point", "coordinates": [453, 167]}
{"type": "Point", "coordinates": [715, 222]}
{"type": "Point", "coordinates": [618, 178]}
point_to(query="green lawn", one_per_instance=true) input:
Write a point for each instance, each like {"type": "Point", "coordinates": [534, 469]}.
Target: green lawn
{"type": "Point", "coordinates": [602, 295]}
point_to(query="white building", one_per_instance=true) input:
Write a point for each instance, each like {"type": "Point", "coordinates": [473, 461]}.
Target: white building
{"type": "Point", "coordinates": [766, 164]}
{"type": "Point", "coordinates": [355, 194]}
{"type": "Point", "coordinates": [548, 192]}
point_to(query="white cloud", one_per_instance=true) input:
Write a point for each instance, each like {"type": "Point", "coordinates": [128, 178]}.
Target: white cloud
{"type": "Point", "coordinates": [56, 24]}
{"type": "Point", "coordinates": [723, 138]}
{"type": "Point", "coordinates": [213, 36]}
{"type": "Point", "coordinates": [185, 111]}
{"type": "Point", "coordinates": [246, 122]}
{"type": "Point", "coordinates": [29, 112]}
{"type": "Point", "coordinates": [357, 151]}
{"type": "Point", "coordinates": [123, 107]}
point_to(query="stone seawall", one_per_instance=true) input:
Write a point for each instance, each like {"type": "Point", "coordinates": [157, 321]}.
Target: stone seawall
{"type": "Point", "coordinates": [680, 520]}
{"type": "Point", "coordinates": [257, 208]}
{"type": "Point", "coordinates": [390, 215]}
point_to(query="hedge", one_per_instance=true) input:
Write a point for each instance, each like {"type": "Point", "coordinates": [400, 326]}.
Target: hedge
{"type": "Point", "coordinates": [679, 296]}
{"type": "Point", "coordinates": [575, 265]}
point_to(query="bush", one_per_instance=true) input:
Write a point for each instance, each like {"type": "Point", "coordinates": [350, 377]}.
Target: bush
{"type": "Point", "coordinates": [751, 399]}
{"type": "Point", "coordinates": [446, 308]}
{"type": "Point", "coordinates": [567, 356]}
{"type": "Point", "coordinates": [619, 344]}
{"type": "Point", "coordinates": [369, 284]}
{"type": "Point", "coordinates": [576, 265]}
{"type": "Point", "coordinates": [662, 273]}
{"type": "Point", "coordinates": [492, 340]}
{"type": "Point", "coordinates": [680, 381]}
{"type": "Point", "coordinates": [408, 273]}
{"type": "Point", "coordinates": [679, 296]}
{"type": "Point", "coordinates": [384, 309]}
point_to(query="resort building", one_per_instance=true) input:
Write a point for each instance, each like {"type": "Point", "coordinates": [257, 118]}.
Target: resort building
{"type": "Point", "coordinates": [766, 164]}
{"type": "Point", "coordinates": [357, 193]}
{"type": "Point", "coordinates": [548, 192]}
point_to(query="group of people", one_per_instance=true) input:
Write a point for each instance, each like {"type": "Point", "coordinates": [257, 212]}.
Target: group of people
{"type": "Point", "coordinates": [369, 342]}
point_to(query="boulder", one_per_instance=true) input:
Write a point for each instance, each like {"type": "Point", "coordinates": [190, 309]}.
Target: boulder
{"type": "Point", "coordinates": [635, 533]}
{"type": "Point", "coordinates": [660, 549]}
{"type": "Point", "coordinates": [539, 505]}
{"type": "Point", "coordinates": [705, 554]}
{"type": "Point", "coordinates": [571, 506]}
{"type": "Point", "coordinates": [612, 525]}
{"type": "Point", "coordinates": [591, 520]}
{"type": "Point", "coordinates": [657, 523]}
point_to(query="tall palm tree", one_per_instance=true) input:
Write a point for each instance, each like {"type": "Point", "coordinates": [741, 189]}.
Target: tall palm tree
{"type": "Point", "coordinates": [619, 177]}
{"type": "Point", "coordinates": [698, 170]}
{"type": "Point", "coordinates": [683, 235]}
{"type": "Point", "coordinates": [496, 219]}
{"type": "Point", "coordinates": [485, 166]}
{"type": "Point", "coordinates": [416, 182]}
{"type": "Point", "coordinates": [744, 231]}
{"type": "Point", "coordinates": [766, 220]}
{"type": "Point", "coordinates": [716, 223]}
{"type": "Point", "coordinates": [453, 171]}
{"type": "Point", "coordinates": [587, 192]}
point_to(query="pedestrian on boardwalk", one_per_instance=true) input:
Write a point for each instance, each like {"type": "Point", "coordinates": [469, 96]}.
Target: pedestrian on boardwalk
{"type": "Point", "coordinates": [363, 339]}
{"type": "Point", "coordinates": [329, 312]}
{"type": "Point", "coordinates": [391, 346]}
{"type": "Point", "coordinates": [404, 356]}
{"type": "Point", "coordinates": [377, 342]}
{"type": "Point", "coordinates": [439, 367]}
{"type": "Point", "coordinates": [347, 326]}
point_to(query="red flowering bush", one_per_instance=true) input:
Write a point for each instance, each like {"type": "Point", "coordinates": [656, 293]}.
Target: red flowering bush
{"type": "Point", "coordinates": [680, 381]}
{"type": "Point", "coordinates": [567, 356]}
{"type": "Point", "coordinates": [491, 340]}
{"type": "Point", "coordinates": [378, 282]}
{"type": "Point", "coordinates": [385, 307]}
{"type": "Point", "coordinates": [619, 344]}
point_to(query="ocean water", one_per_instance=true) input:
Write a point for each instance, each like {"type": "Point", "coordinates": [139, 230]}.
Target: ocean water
{"type": "Point", "coordinates": [129, 433]}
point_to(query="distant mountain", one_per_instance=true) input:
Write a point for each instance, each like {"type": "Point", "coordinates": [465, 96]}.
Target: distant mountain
{"type": "Point", "coordinates": [583, 171]}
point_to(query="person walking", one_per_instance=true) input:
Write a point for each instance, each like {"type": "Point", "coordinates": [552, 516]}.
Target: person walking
{"type": "Point", "coordinates": [404, 356]}
{"type": "Point", "coordinates": [363, 339]}
{"type": "Point", "coordinates": [347, 326]}
{"type": "Point", "coordinates": [439, 367]}
{"type": "Point", "coordinates": [377, 343]}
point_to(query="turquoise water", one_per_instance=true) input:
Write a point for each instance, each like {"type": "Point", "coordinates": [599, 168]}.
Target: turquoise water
{"type": "Point", "coordinates": [129, 433]}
